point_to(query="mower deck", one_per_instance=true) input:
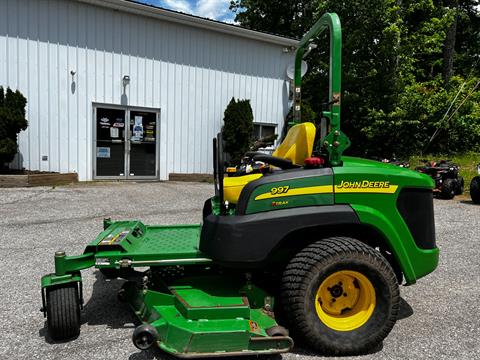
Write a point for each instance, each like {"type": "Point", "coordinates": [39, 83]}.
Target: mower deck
{"type": "Point", "coordinates": [207, 316]}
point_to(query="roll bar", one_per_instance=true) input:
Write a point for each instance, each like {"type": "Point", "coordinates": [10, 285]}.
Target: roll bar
{"type": "Point", "coordinates": [335, 142]}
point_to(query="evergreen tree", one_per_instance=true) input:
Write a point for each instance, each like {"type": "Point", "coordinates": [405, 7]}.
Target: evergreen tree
{"type": "Point", "coordinates": [238, 129]}
{"type": "Point", "coordinates": [12, 121]}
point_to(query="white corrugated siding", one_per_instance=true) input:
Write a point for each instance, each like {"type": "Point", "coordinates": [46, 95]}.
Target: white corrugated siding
{"type": "Point", "coordinates": [189, 73]}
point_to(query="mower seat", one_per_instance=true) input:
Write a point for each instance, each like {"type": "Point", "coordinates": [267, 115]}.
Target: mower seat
{"type": "Point", "coordinates": [298, 144]}
{"type": "Point", "coordinates": [296, 147]}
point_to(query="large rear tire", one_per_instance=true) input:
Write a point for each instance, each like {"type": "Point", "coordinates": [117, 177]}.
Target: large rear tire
{"type": "Point", "coordinates": [475, 189]}
{"type": "Point", "coordinates": [340, 296]}
{"type": "Point", "coordinates": [63, 312]}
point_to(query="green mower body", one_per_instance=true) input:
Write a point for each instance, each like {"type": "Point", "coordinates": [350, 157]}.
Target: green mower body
{"type": "Point", "coordinates": [207, 294]}
{"type": "Point", "coordinates": [298, 243]}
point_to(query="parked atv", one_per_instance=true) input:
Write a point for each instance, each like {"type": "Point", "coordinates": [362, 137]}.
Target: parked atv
{"type": "Point", "coordinates": [475, 187]}
{"type": "Point", "coordinates": [445, 173]}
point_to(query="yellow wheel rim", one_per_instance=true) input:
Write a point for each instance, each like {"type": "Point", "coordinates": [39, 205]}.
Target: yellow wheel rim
{"type": "Point", "coordinates": [345, 300]}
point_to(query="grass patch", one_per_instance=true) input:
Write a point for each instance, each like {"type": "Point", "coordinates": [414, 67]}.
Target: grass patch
{"type": "Point", "coordinates": [467, 162]}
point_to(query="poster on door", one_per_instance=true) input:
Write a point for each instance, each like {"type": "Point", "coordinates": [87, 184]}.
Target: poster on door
{"type": "Point", "coordinates": [114, 132]}
{"type": "Point", "coordinates": [137, 131]}
{"type": "Point", "coordinates": [119, 123]}
{"type": "Point", "coordinates": [150, 132]}
{"type": "Point", "coordinates": [103, 152]}
{"type": "Point", "coordinates": [105, 123]}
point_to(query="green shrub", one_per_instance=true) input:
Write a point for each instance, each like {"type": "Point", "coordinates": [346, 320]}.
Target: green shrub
{"type": "Point", "coordinates": [238, 129]}
{"type": "Point", "coordinates": [12, 121]}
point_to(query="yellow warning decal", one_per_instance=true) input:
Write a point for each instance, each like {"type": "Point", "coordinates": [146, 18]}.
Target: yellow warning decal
{"type": "Point", "coordinates": [111, 239]}
{"type": "Point", "coordinates": [311, 190]}
{"type": "Point", "coordinates": [366, 186]}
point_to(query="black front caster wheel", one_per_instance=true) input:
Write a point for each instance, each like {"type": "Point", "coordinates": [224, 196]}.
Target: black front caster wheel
{"type": "Point", "coordinates": [144, 336]}
{"type": "Point", "coordinates": [63, 312]}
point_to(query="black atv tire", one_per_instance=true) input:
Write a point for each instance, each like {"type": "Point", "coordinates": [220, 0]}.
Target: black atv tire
{"type": "Point", "coordinates": [475, 189]}
{"type": "Point", "coordinates": [308, 272]}
{"type": "Point", "coordinates": [460, 186]}
{"type": "Point", "coordinates": [63, 312]}
{"type": "Point", "coordinates": [448, 190]}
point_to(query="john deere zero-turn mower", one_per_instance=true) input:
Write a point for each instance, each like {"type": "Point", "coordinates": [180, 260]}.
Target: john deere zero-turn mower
{"type": "Point", "coordinates": [316, 244]}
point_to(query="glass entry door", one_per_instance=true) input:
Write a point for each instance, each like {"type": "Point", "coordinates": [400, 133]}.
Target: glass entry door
{"type": "Point", "coordinates": [126, 143]}
{"type": "Point", "coordinates": [110, 143]}
{"type": "Point", "coordinates": [142, 136]}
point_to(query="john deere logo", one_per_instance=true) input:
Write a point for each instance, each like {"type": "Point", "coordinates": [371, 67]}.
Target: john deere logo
{"type": "Point", "coordinates": [366, 186]}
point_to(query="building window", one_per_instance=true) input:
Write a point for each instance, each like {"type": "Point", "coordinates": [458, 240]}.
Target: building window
{"type": "Point", "coordinates": [262, 131]}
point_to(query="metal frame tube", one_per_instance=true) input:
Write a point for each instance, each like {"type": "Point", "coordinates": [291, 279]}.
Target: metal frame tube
{"type": "Point", "coordinates": [335, 142]}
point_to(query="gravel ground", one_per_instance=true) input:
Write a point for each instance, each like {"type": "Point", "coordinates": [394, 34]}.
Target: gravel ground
{"type": "Point", "coordinates": [440, 314]}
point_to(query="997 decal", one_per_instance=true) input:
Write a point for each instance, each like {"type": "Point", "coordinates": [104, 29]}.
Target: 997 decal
{"type": "Point", "coordinates": [279, 190]}
{"type": "Point", "coordinates": [286, 190]}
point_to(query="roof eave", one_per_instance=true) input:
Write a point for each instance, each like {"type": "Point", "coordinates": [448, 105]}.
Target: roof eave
{"type": "Point", "coordinates": [162, 14]}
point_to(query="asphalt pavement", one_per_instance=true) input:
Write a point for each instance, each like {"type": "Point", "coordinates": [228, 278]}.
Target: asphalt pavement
{"type": "Point", "coordinates": [440, 315]}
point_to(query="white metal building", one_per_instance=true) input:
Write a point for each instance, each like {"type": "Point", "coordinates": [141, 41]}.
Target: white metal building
{"type": "Point", "coordinates": [117, 89]}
